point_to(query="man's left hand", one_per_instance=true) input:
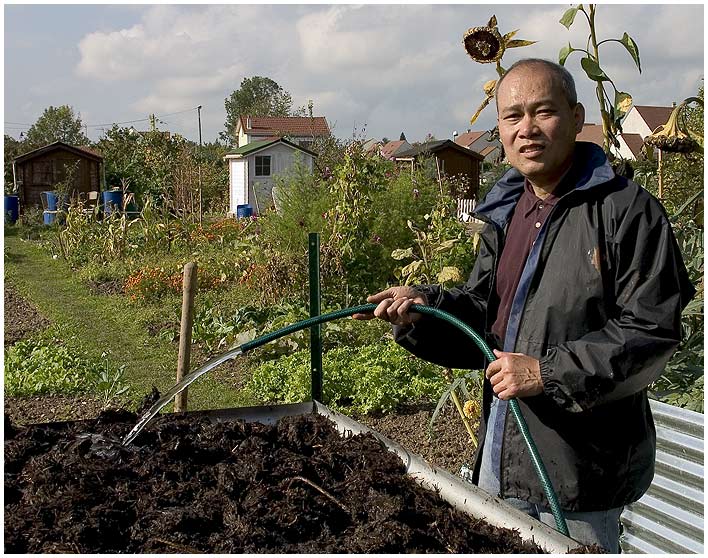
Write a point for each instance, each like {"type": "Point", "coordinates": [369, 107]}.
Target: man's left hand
{"type": "Point", "coordinates": [514, 375]}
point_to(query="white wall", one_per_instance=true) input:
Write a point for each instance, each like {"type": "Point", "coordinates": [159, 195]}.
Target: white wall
{"type": "Point", "coordinates": [237, 187]}
{"type": "Point", "coordinates": [282, 161]}
{"type": "Point", "coordinates": [633, 123]}
{"type": "Point", "coordinates": [624, 151]}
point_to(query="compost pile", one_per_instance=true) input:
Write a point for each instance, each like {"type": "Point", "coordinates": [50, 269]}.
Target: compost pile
{"type": "Point", "coordinates": [189, 485]}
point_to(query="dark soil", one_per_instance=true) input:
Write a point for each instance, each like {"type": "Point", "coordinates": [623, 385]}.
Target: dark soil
{"type": "Point", "coordinates": [449, 448]}
{"type": "Point", "coordinates": [51, 408]}
{"type": "Point", "coordinates": [21, 318]}
{"type": "Point", "coordinates": [187, 485]}
{"type": "Point", "coordinates": [110, 287]}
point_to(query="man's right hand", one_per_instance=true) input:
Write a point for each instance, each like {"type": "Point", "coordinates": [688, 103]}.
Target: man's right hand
{"type": "Point", "coordinates": [393, 305]}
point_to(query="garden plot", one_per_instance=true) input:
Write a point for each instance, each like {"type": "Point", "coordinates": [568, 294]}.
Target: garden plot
{"type": "Point", "coordinates": [189, 484]}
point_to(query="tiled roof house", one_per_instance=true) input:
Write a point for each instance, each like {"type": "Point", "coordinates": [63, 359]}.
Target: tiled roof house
{"type": "Point", "coordinates": [298, 129]}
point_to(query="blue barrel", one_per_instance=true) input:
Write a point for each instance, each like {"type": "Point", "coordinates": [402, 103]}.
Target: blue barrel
{"type": "Point", "coordinates": [112, 200]}
{"type": "Point", "coordinates": [243, 211]}
{"type": "Point", "coordinates": [12, 209]}
{"type": "Point", "coordinates": [51, 200]}
{"type": "Point", "coordinates": [49, 217]}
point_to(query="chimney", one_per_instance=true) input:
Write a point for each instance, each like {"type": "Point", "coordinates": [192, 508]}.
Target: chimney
{"type": "Point", "coordinates": [248, 122]}
{"type": "Point", "coordinates": [454, 135]}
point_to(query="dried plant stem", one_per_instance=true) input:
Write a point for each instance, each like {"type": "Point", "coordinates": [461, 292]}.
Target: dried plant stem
{"type": "Point", "coordinates": [320, 490]}
{"type": "Point", "coordinates": [464, 418]}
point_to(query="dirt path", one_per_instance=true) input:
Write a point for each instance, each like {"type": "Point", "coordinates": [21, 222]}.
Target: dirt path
{"type": "Point", "coordinates": [21, 317]}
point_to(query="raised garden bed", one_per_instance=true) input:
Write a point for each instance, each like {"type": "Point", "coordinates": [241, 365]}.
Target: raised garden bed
{"type": "Point", "coordinates": [189, 484]}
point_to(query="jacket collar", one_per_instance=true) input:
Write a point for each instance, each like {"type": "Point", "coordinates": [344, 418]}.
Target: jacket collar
{"type": "Point", "coordinates": [590, 169]}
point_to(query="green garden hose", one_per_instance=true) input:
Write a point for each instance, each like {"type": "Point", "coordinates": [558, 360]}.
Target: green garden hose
{"type": "Point", "coordinates": [513, 404]}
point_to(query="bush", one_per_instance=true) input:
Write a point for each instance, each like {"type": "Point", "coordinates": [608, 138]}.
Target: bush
{"type": "Point", "coordinates": [374, 377]}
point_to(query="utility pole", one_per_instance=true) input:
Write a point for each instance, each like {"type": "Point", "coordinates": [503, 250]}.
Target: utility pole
{"type": "Point", "coordinates": [199, 162]}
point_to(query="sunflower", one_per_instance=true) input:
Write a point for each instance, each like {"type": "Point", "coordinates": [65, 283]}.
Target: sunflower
{"type": "Point", "coordinates": [673, 137]}
{"type": "Point", "coordinates": [485, 44]}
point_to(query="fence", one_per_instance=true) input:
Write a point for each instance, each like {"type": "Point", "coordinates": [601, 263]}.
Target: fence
{"type": "Point", "coordinates": [669, 517]}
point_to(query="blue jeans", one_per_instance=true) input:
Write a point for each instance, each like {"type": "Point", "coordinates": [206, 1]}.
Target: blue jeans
{"type": "Point", "coordinates": [596, 527]}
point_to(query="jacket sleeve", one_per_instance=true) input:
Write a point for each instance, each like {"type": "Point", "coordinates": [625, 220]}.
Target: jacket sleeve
{"type": "Point", "coordinates": [651, 289]}
{"type": "Point", "coordinates": [439, 342]}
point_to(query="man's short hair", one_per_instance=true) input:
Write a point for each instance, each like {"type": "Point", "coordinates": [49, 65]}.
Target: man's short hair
{"type": "Point", "coordinates": [564, 77]}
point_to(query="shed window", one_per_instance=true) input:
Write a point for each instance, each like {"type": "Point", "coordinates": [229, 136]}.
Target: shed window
{"type": "Point", "coordinates": [262, 165]}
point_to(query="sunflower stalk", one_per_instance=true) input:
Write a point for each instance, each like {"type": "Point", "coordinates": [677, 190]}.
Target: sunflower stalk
{"type": "Point", "coordinates": [611, 112]}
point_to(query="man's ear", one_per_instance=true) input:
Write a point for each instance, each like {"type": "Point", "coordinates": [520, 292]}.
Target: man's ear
{"type": "Point", "coordinates": [579, 113]}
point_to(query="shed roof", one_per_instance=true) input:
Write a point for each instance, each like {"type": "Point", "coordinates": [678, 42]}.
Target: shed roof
{"type": "Point", "coordinates": [252, 147]}
{"type": "Point", "coordinates": [435, 146]}
{"type": "Point", "coordinates": [85, 152]}
{"type": "Point", "coordinates": [295, 125]}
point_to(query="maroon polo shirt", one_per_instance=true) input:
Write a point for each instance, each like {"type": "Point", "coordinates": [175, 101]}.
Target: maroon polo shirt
{"type": "Point", "coordinates": [529, 216]}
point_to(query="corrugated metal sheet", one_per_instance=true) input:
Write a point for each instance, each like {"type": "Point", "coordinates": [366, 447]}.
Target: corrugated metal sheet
{"type": "Point", "coordinates": [669, 517]}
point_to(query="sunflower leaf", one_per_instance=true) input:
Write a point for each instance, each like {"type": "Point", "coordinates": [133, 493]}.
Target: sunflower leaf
{"type": "Point", "coordinates": [518, 43]}
{"type": "Point", "coordinates": [564, 53]}
{"type": "Point", "coordinates": [569, 17]}
{"type": "Point", "coordinates": [623, 102]}
{"type": "Point", "coordinates": [593, 70]}
{"type": "Point", "coordinates": [510, 35]}
{"type": "Point", "coordinates": [481, 108]}
{"type": "Point", "coordinates": [633, 50]}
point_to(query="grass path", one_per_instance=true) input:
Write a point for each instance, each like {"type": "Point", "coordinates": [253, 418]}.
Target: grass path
{"type": "Point", "coordinates": [104, 323]}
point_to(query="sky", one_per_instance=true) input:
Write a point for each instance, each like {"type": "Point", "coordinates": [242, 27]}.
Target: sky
{"type": "Point", "coordinates": [372, 70]}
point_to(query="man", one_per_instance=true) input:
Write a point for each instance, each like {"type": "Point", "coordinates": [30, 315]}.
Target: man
{"type": "Point", "coordinates": [579, 284]}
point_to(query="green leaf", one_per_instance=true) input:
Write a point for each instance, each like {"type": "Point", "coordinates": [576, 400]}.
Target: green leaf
{"type": "Point", "coordinates": [412, 267]}
{"type": "Point", "coordinates": [400, 254]}
{"type": "Point", "coordinates": [445, 245]}
{"type": "Point", "coordinates": [633, 50]}
{"type": "Point", "coordinates": [569, 17]}
{"type": "Point", "coordinates": [593, 70]}
{"type": "Point", "coordinates": [564, 53]}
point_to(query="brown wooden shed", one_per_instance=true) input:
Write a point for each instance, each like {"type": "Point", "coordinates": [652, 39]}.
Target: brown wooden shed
{"type": "Point", "coordinates": [42, 169]}
{"type": "Point", "coordinates": [452, 160]}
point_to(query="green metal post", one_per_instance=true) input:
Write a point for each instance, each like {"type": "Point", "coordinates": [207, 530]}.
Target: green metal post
{"type": "Point", "coordinates": [315, 330]}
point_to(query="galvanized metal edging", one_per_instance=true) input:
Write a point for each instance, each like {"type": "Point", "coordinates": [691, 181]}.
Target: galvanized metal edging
{"type": "Point", "coordinates": [669, 518]}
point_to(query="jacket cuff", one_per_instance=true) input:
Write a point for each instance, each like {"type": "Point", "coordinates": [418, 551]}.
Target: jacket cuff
{"type": "Point", "coordinates": [554, 390]}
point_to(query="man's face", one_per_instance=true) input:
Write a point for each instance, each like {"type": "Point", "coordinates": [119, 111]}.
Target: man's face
{"type": "Point", "coordinates": [537, 126]}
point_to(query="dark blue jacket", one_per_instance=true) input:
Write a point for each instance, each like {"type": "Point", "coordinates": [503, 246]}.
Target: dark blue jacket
{"type": "Point", "coordinates": [599, 305]}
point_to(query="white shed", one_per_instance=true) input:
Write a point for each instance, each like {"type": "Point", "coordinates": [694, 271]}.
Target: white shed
{"type": "Point", "coordinates": [253, 167]}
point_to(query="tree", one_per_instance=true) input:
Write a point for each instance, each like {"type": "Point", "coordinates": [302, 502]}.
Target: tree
{"type": "Point", "coordinates": [257, 96]}
{"type": "Point", "coordinates": [13, 149]}
{"type": "Point", "coordinates": [56, 124]}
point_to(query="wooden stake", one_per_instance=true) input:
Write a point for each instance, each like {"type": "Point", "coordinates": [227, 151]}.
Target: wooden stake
{"type": "Point", "coordinates": [189, 287]}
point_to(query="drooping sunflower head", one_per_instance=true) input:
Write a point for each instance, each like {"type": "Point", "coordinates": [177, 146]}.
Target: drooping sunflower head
{"type": "Point", "coordinates": [674, 136]}
{"type": "Point", "coordinates": [484, 44]}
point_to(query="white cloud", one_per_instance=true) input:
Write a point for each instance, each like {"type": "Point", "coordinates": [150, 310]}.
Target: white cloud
{"type": "Point", "coordinates": [392, 66]}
